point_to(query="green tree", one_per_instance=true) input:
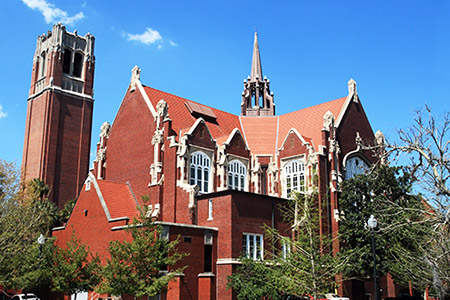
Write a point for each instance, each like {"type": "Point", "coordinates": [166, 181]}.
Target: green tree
{"type": "Point", "coordinates": [136, 266]}
{"type": "Point", "coordinates": [426, 143]}
{"type": "Point", "coordinates": [307, 265]}
{"type": "Point", "coordinates": [23, 218]}
{"type": "Point", "coordinates": [74, 269]}
{"type": "Point", "coordinates": [385, 192]}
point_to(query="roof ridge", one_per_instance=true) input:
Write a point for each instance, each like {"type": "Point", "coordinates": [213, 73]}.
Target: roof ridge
{"type": "Point", "coordinates": [309, 107]}
{"type": "Point", "coordinates": [186, 99]}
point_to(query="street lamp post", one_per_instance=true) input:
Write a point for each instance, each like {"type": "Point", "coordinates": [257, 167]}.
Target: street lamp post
{"type": "Point", "coordinates": [372, 223]}
{"type": "Point", "coordinates": [41, 241]}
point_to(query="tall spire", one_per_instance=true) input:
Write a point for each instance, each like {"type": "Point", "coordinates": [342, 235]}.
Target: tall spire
{"type": "Point", "coordinates": [256, 61]}
{"type": "Point", "coordinates": [257, 100]}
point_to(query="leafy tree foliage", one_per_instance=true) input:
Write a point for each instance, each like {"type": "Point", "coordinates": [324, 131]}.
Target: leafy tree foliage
{"type": "Point", "coordinates": [74, 269]}
{"type": "Point", "coordinates": [385, 192]}
{"type": "Point", "coordinates": [307, 268]}
{"type": "Point", "coordinates": [136, 267]}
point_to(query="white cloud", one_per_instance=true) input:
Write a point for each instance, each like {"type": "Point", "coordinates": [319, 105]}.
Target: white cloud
{"type": "Point", "coordinates": [150, 36]}
{"type": "Point", "coordinates": [51, 13]}
{"type": "Point", "coordinates": [173, 43]}
{"type": "Point", "coordinates": [3, 113]}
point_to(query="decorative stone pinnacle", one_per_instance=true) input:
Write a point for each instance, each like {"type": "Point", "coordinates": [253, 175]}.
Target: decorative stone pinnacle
{"type": "Point", "coordinates": [352, 86]}
{"type": "Point", "coordinates": [135, 77]}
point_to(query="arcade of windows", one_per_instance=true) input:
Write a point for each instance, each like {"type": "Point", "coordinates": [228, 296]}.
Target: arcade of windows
{"type": "Point", "coordinates": [294, 172]}
{"type": "Point", "coordinates": [236, 175]}
{"type": "Point", "coordinates": [72, 64]}
{"type": "Point", "coordinates": [200, 166]}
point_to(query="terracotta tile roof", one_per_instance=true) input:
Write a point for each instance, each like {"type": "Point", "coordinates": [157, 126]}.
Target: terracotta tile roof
{"type": "Point", "coordinates": [119, 199]}
{"type": "Point", "coordinates": [309, 121]}
{"type": "Point", "coordinates": [260, 133]}
{"type": "Point", "coordinates": [183, 119]}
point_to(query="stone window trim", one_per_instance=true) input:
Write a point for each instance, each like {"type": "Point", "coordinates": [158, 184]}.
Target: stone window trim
{"type": "Point", "coordinates": [293, 180]}
{"type": "Point", "coordinates": [42, 64]}
{"type": "Point", "coordinates": [237, 175]}
{"type": "Point", "coordinates": [73, 68]}
{"type": "Point", "coordinates": [200, 170]}
{"type": "Point", "coordinates": [355, 164]}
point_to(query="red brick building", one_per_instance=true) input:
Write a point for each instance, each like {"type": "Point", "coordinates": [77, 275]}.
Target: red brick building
{"type": "Point", "coordinates": [213, 178]}
{"type": "Point", "coordinates": [59, 113]}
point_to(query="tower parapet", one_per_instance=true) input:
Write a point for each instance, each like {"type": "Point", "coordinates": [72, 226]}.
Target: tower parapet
{"type": "Point", "coordinates": [63, 60]}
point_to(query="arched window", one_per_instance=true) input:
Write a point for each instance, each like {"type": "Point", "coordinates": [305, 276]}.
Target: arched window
{"type": "Point", "coordinates": [295, 177]}
{"type": "Point", "coordinates": [355, 166]}
{"type": "Point", "coordinates": [42, 66]}
{"type": "Point", "coordinates": [77, 64]}
{"type": "Point", "coordinates": [200, 165]}
{"type": "Point", "coordinates": [236, 175]}
{"type": "Point", "coordinates": [67, 61]}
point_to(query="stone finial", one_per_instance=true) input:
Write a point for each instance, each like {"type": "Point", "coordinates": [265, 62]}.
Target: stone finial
{"type": "Point", "coordinates": [379, 138]}
{"type": "Point", "coordinates": [161, 109]}
{"type": "Point", "coordinates": [328, 120]}
{"type": "Point", "coordinates": [104, 129]}
{"type": "Point", "coordinates": [358, 140]}
{"type": "Point", "coordinates": [352, 86]}
{"type": "Point", "coordinates": [135, 77]}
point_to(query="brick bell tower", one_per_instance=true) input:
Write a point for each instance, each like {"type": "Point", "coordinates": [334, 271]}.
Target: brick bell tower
{"type": "Point", "coordinates": [59, 113]}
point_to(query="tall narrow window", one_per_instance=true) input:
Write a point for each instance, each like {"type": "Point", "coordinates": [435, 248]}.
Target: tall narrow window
{"type": "Point", "coordinates": [295, 177]}
{"type": "Point", "coordinates": [210, 209]}
{"type": "Point", "coordinates": [77, 64]}
{"type": "Point", "coordinates": [200, 166]}
{"type": "Point", "coordinates": [236, 175]}
{"type": "Point", "coordinates": [67, 61]}
{"type": "Point", "coordinates": [43, 65]}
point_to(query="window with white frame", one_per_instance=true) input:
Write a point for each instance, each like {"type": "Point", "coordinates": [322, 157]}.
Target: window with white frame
{"type": "Point", "coordinates": [236, 175]}
{"type": "Point", "coordinates": [294, 172]}
{"type": "Point", "coordinates": [210, 209]}
{"type": "Point", "coordinates": [253, 245]}
{"type": "Point", "coordinates": [285, 247]}
{"type": "Point", "coordinates": [200, 165]}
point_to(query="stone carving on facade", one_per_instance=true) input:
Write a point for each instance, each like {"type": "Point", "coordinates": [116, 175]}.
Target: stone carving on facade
{"type": "Point", "coordinates": [272, 172]}
{"type": "Point", "coordinates": [135, 77]}
{"type": "Point", "coordinates": [104, 130]}
{"type": "Point", "coordinates": [222, 165]}
{"type": "Point", "coordinates": [328, 120]}
{"type": "Point", "coordinates": [158, 137]}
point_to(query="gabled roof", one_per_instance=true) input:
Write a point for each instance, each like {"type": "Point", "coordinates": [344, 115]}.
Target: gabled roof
{"type": "Point", "coordinates": [309, 121]}
{"type": "Point", "coordinates": [119, 199]}
{"type": "Point", "coordinates": [183, 119]}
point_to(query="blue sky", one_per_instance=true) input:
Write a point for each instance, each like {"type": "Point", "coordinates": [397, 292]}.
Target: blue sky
{"type": "Point", "coordinates": [397, 51]}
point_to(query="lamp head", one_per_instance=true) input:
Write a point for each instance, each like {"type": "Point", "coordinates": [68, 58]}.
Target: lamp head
{"type": "Point", "coordinates": [41, 240]}
{"type": "Point", "coordinates": [372, 222]}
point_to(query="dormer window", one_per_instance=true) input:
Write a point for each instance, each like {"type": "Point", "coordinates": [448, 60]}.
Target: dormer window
{"type": "Point", "coordinates": [294, 172]}
{"type": "Point", "coordinates": [236, 175]}
{"type": "Point", "coordinates": [200, 166]}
